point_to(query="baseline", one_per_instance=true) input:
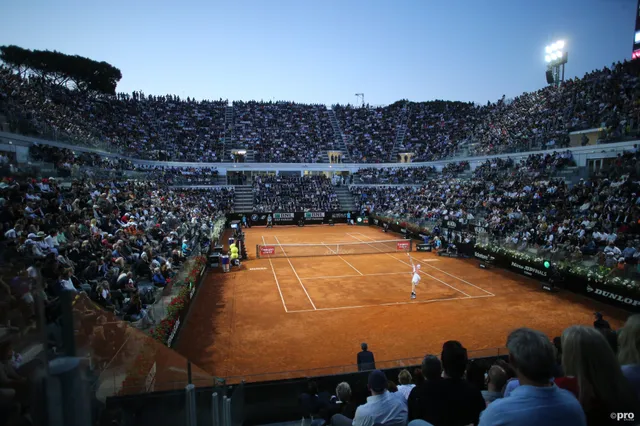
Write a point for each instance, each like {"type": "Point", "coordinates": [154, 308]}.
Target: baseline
{"type": "Point", "coordinates": [413, 302]}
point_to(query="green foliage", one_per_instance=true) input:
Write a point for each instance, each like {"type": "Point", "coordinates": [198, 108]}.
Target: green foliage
{"type": "Point", "coordinates": [59, 68]}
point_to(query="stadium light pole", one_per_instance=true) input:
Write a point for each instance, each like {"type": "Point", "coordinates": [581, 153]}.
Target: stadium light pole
{"type": "Point", "coordinates": [360, 96]}
{"type": "Point", "coordinates": [556, 58]}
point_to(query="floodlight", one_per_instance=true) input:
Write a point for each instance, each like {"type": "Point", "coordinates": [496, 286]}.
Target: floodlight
{"type": "Point", "coordinates": [560, 44]}
{"type": "Point", "coordinates": [547, 58]}
{"type": "Point", "coordinates": [553, 56]}
{"type": "Point", "coordinates": [548, 49]}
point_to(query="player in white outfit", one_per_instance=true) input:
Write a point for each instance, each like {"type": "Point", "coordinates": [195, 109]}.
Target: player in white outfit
{"type": "Point", "coordinates": [415, 278]}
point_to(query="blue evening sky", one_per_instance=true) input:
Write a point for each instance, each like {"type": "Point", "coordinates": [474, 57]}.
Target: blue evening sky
{"type": "Point", "coordinates": [325, 51]}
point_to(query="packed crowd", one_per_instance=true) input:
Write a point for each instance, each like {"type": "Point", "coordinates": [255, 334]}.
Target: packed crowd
{"type": "Point", "coordinates": [456, 167]}
{"type": "Point", "coordinates": [87, 164]}
{"type": "Point", "coordinates": [434, 129]}
{"type": "Point", "coordinates": [104, 238]}
{"type": "Point", "coordinates": [395, 175]}
{"type": "Point", "coordinates": [180, 175]}
{"type": "Point", "coordinates": [371, 131]}
{"type": "Point", "coordinates": [120, 243]}
{"type": "Point", "coordinates": [66, 159]}
{"type": "Point", "coordinates": [137, 125]}
{"type": "Point", "coordinates": [523, 206]}
{"type": "Point", "coordinates": [603, 98]}
{"type": "Point", "coordinates": [294, 194]}
{"type": "Point", "coordinates": [170, 128]}
{"type": "Point", "coordinates": [283, 132]}
{"type": "Point", "coordinates": [588, 376]}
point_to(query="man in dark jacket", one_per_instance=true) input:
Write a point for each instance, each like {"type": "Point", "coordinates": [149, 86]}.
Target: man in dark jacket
{"type": "Point", "coordinates": [451, 400]}
{"type": "Point", "coordinates": [365, 359]}
{"type": "Point", "coordinates": [600, 322]}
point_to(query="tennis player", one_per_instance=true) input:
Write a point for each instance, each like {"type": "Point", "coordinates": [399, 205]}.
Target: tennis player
{"type": "Point", "coordinates": [415, 278]}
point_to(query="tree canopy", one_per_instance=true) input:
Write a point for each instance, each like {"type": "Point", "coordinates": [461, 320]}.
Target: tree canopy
{"type": "Point", "coordinates": [59, 68]}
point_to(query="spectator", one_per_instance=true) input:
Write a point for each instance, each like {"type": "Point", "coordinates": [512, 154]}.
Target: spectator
{"type": "Point", "coordinates": [431, 367]}
{"type": "Point", "coordinates": [382, 407]}
{"type": "Point", "coordinates": [341, 403]}
{"type": "Point", "coordinates": [496, 381]}
{"type": "Point", "coordinates": [138, 312]}
{"type": "Point", "coordinates": [450, 400]}
{"type": "Point", "coordinates": [629, 351]}
{"type": "Point", "coordinates": [602, 387]}
{"type": "Point", "coordinates": [294, 193]}
{"type": "Point", "coordinates": [365, 359]}
{"type": "Point", "coordinates": [314, 402]}
{"type": "Point", "coordinates": [600, 322]}
{"type": "Point", "coordinates": [537, 401]}
{"type": "Point", "coordinates": [405, 387]}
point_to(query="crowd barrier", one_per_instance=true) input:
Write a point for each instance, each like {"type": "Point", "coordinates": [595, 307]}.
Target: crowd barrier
{"type": "Point", "coordinates": [591, 283]}
{"type": "Point", "coordinates": [619, 296]}
{"type": "Point", "coordinates": [294, 218]}
{"type": "Point", "coordinates": [272, 397]}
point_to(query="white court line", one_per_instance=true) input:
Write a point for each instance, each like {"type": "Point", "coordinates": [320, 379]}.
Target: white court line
{"type": "Point", "coordinates": [402, 261]}
{"type": "Point", "coordinates": [413, 302]}
{"type": "Point", "coordinates": [363, 275]}
{"type": "Point", "coordinates": [276, 278]}
{"type": "Point", "coordinates": [294, 271]}
{"type": "Point", "coordinates": [453, 276]}
{"type": "Point", "coordinates": [327, 277]}
{"type": "Point", "coordinates": [336, 253]}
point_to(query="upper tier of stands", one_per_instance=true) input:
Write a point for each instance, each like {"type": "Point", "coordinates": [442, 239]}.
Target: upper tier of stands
{"type": "Point", "coordinates": [171, 128]}
{"type": "Point", "coordinates": [283, 132]}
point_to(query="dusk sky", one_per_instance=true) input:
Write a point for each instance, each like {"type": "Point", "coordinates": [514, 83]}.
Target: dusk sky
{"type": "Point", "coordinates": [326, 51]}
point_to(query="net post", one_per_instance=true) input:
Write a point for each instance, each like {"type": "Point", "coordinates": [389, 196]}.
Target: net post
{"type": "Point", "coordinates": [410, 246]}
{"type": "Point", "coordinates": [258, 251]}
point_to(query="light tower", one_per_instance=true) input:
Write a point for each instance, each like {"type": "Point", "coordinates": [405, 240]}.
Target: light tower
{"type": "Point", "coordinates": [556, 58]}
{"type": "Point", "coordinates": [361, 97]}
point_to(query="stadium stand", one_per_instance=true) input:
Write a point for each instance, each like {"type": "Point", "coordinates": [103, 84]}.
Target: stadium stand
{"type": "Point", "coordinates": [116, 244]}
{"type": "Point", "coordinates": [283, 132]}
{"type": "Point", "coordinates": [161, 127]}
{"type": "Point", "coordinates": [293, 194]}
{"type": "Point", "coordinates": [524, 206]}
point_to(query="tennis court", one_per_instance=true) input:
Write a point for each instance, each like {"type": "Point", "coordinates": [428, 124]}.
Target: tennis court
{"type": "Point", "coordinates": [353, 270]}
{"type": "Point", "coordinates": [305, 309]}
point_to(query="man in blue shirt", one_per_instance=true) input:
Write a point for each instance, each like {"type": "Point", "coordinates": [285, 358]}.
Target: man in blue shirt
{"type": "Point", "coordinates": [185, 248]}
{"type": "Point", "coordinates": [629, 251]}
{"type": "Point", "coordinates": [537, 401]}
{"type": "Point", "coordinates": [382, 407]}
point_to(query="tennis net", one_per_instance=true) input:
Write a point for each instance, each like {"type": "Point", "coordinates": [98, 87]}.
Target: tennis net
{"type": "Point", "coordinates": [332, 249]}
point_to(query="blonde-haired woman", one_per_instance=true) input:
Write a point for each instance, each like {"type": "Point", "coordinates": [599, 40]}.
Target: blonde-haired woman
{"type": "Point", "coordinates": [602, 388]}
{"type": "Point", "coordinates": [629, 351]}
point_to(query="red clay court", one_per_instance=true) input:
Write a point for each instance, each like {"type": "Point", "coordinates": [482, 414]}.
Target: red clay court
{"type": "Point", "coordinates": [291, 316]}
